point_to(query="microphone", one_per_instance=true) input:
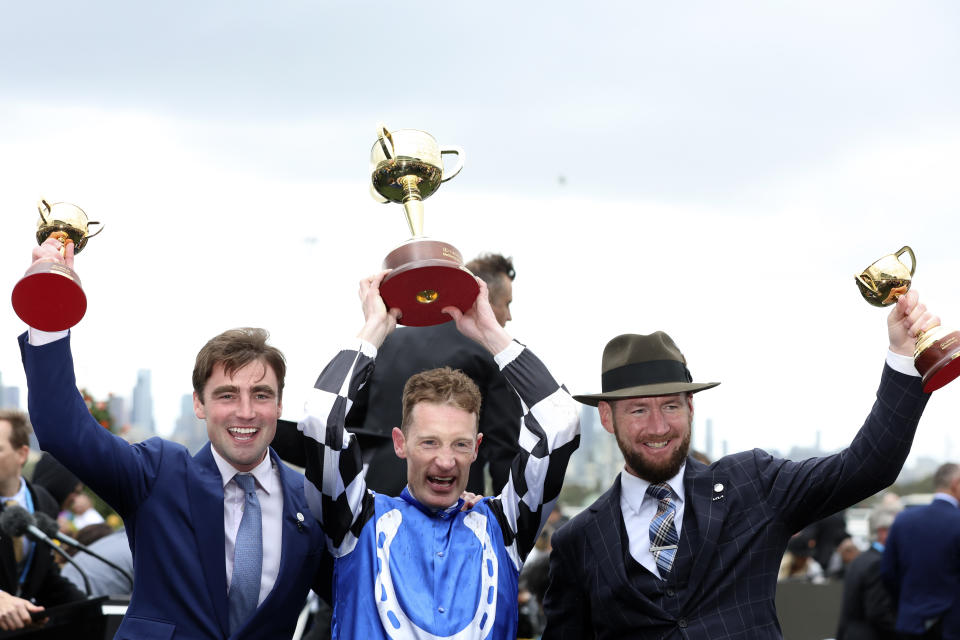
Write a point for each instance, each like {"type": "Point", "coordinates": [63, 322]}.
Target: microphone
{"type": "Point", "coordinates": [15, 521]}
{"type": "Point", "coordinates": [48, 526]}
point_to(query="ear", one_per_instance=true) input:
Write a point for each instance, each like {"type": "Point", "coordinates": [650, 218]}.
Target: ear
{"type": "Point", "coordinates": [399, 443]}
{"type": "Point", "coordinates": [198, 409]}
{"type": "Point", "coordinates": [22, 454]}
{"type": "Point", "coordinates": [690, 405]}
{"type": "Point", "coordinates": [606, 415]}
{"type": "Point", "coordinates": [476, 447]}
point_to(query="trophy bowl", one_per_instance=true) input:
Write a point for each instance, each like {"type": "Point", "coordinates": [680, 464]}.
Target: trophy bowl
{"type": "Point", "coordinates": [50, 296]}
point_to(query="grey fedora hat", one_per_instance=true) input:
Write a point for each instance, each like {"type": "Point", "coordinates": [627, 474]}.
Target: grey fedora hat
{"type": "Point", "coordinates": [636, 366]}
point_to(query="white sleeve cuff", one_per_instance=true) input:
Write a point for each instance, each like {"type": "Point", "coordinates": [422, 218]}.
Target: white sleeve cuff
{"type": "Point", "coordinates": [901, 363]}
{"type": "Point", "coordinates": [367, 349]}
{"type": "Point", "coordinates": [39, 338]}
{"type": "Point", "coordinates": [510, 352]}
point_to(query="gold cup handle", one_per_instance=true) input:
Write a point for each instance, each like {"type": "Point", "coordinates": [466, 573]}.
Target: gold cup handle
{"type": "Point", "coordinates": [91, 223]}
{"type": "Point", "coordinates": [457, 167]}
{"type": "Point", "coordinates": [913, 258]}
{"type": "Point", "coordinates": [383, 136]}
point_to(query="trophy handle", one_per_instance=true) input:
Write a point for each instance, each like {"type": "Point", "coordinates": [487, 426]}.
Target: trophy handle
{"type": "Point", "coordinates": [377, 196]}
{"type": "Point", "coordinates": [43, 204]}
{"type": "Point", "coordinates": [456, 168]}
{"type": "Point", "coordinates": [913, 258]}
{"type": "Point", "coordinates": [383, 136]}
{"type": "Point", "coordinates": [92, 222]}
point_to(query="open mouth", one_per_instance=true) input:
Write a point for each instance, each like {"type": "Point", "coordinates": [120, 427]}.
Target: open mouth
{"type": "Point", "coordinates": [440, 483]}
{"type": "Point", "coordinates": [656, 445]}
{"type": "Point", "coordinates": [243, 434]}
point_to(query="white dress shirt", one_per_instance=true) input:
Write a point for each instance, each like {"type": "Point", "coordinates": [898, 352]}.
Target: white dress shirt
{"type": "Point", "coordinates": [639, 509]}
{"type": "Point", "coordinates": [270, 495]}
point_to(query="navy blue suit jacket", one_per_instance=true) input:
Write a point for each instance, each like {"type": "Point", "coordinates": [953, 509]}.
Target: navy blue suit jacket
{"type": "Point", "coordinates": [921, 565]}
{"type": "Point", "coordinates": [746, 506]}
{"type": "Point", "coordinates": [172, 505]}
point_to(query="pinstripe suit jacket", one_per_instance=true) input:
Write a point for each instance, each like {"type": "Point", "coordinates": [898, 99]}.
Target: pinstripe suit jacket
{"type": "Point", "coordinates": [743, 530]}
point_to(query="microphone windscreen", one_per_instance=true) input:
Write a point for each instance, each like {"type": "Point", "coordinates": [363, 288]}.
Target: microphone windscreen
{"type": "Point", "coordinates": [14, 521]}
{"type": "Point", "coordinates": [46, 524]}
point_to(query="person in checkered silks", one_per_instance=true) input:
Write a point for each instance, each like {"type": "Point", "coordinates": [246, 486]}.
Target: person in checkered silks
{"type": "Point", "coordinates": [426, 563]}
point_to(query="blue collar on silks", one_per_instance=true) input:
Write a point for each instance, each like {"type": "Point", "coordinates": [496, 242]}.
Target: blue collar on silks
{"type": "Point", "coordinates": [443, 514]}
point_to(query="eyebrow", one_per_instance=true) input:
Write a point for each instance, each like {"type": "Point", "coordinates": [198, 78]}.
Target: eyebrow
{"type": "Point", "coordinates": [228, 388]}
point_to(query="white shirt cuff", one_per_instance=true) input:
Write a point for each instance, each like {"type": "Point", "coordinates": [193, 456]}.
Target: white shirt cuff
{"type": "Point", "coordinates": [903, 364]}
{"type": "Point", "coordinates": [39, 338]}
{"type": "Point", "coordinates": [509, 353]}
{"type": "Point", "coordinates": [367, 349]}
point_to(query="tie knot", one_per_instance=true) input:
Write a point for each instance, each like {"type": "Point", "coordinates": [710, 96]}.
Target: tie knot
{"type": "Point", "coordinates": [660, 491]}
{"type": "Point", "coordinates": [246, 482]}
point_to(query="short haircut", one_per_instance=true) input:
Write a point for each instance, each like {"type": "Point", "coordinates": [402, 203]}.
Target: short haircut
{"type": "Point", "coordinates": [440, 386]}
{"type": "Point", "coordinates": [488, 266]}
{"type": "Point", "coordinates": [235, 349]}
{"type": "Point", "coordinates": [944, 476]}
{"type": "Point", "coordinates": [881, 517]}
{"type": "Point", "coordinates": [20, 429]}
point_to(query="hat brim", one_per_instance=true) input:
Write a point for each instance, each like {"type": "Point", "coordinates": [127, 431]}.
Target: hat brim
{"type": "Point", "coordinates": [645, 391]}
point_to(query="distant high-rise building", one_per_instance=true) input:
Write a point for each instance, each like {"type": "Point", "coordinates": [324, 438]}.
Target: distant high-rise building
{"type": "Point", "coordinates": [117, 408]}
{"type": "Point", "coordinates": [10, 398]}
{"type": "Point", "coordinates": [709, 446]}
{"type": "Point", "coordinates": [190, 431]}
{"type": "Point", "coordinates": [142, 411]}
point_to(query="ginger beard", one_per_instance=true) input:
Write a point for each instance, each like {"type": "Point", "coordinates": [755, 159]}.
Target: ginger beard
{"type": "Point", "coordinates": [653, 471]}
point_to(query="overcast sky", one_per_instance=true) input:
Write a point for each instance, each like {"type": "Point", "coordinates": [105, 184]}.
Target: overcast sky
{"type": "Point", "coordinates": [716, 170]}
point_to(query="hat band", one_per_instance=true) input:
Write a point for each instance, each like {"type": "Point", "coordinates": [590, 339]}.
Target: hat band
{"type": "Point", "coordinates": [643, 373]}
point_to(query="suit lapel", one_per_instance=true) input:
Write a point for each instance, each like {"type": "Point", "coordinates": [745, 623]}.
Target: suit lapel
{"type": "Point", "coordinates": [603, 535]}
{"type": "Point", "coordinates": [205, 487]}
{"type": "Point", "coordinates": [706, 494]}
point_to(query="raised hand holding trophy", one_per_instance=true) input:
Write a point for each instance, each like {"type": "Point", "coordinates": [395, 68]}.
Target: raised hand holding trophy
{"type": "Point", "coordinates": [937, 351]}
{"type": "Point", "coordinates": [427, 275]}
{"type": "Point", "coordinates": [49, 296]}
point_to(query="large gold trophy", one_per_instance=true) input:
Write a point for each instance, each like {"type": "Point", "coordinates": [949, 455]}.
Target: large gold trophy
{"type": "Point", "coordinates": [937, 351]}
{"type": "Point", "coordinates": [49, 296]}
{"type": "Point", "coordinates": [427, 275]}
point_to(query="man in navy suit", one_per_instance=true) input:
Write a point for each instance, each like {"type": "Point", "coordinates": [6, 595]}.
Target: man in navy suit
{"type": "Point", "coordinates": [679, 549]}
{"type": "Point", "coordinates": [921, 562]}
{"type": "Point", "coordinates": [224, 544]}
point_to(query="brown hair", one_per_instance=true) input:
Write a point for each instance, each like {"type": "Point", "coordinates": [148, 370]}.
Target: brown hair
{"type": "Point", "coordinates": [235, 349]}
{"type": "Point", "coordinates": [488, 266]}
{"type": "Point", "coordinates": [19, 427]}
{"type": "Point", "coordinates": [440, 386]}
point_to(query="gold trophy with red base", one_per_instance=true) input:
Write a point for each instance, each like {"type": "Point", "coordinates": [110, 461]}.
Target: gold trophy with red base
{"type": "Point", "coordinates": [427, 275]}
{"type": "Point", "coordinates": [937, 351]}
{"type": "Point", "coordinates": [49, 296]}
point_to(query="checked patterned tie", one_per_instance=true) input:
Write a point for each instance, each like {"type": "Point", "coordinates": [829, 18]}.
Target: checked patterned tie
{"type": "Point", "coordinates": [247, 557]}
{"type": "Point", "coordinates": [663, 535]}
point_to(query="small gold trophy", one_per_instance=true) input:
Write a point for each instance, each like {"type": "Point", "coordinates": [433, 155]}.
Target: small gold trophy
{"type": "Point", "coordinates": [937, 351]}
{"type": "Point", "coordinates": [49, 296]}
{"type": "Point", "coordinates": [427, 275]}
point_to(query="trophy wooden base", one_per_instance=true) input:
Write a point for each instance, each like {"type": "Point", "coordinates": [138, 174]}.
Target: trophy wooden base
{"type": "Point", "coordinates": [427, 276]}
{"type": "Point", "coordinates": [49, 297]}
{"type": "Point", "coordinates": [938, 362]}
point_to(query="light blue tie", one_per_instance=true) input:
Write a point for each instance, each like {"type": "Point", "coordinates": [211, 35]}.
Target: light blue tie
{"type": "Point", "coordinates": [247, 557]}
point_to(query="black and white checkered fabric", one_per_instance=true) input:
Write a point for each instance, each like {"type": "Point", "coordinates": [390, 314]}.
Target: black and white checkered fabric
{"type": "Point", "coordinates": [335, 485]}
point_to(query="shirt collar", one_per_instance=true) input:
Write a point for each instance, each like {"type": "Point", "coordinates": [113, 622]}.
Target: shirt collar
{"type": "Point", "coordinates": [635, 489]}
{"type": "Point", "coordinates": [939, 495]}
{"type": "Point", "coordinates": [20, 496]}
{"type": "Point", "coordinates": [263, 472]}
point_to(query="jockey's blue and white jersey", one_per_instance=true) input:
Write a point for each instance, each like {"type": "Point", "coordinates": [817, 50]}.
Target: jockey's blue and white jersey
{"type": "Point", "coordinates": [405, 571]}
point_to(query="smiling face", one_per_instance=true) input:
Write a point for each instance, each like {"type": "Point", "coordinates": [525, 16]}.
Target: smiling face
{"type": "Point", "coordinates": [241, 411]}
{"type": "Point", "coordinates": [653, 433]}
{"type": "Point", "coordinates": [439, 445]}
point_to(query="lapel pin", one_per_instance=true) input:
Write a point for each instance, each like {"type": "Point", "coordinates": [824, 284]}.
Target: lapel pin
{"type": "Point", "coordinates": [299, 521]}
{"type": "Point", "coordinates": [718, 490]}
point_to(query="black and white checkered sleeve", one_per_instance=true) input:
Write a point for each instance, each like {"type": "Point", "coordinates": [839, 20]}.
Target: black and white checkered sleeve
{"type": "Point", "coordinates": [549, 435]}
{"type": "Point", "coordinates": [335, 486]}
